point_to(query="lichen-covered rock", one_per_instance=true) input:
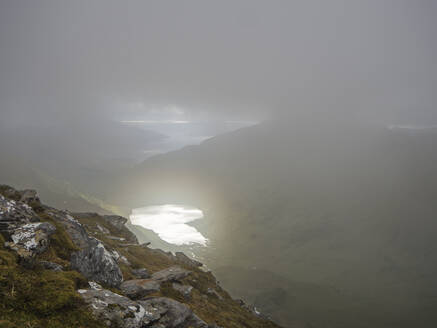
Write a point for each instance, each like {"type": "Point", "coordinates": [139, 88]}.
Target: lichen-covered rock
{"type": "Point", "coordinates": [172, 314]}
{"type": "Point", "coordinates": [173, 273]}
{"type": "Point", "coordinates": [98, 264]}
{"type": "Point", "coordinates": [141, 273]}
{"type": "Point", "coordinates": [116, 310]}
{"type": "Point", "coordinates": [14, 214]}
{"type": "Point", "coordinates": [31, 239]}
{"type": "Point", "coordinates": [139, 288]}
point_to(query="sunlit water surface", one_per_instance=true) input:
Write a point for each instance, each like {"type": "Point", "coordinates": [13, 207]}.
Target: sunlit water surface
{"type": "Point", "coordinates": [170, 223]}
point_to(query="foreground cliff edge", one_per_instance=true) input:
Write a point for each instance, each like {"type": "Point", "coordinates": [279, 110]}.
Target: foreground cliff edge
{"type": "Point", "coordinates": [61, 269]}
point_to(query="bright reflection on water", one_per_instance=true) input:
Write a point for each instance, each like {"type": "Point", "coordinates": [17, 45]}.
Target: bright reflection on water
{"type": "Point", "coordinates": [170, 222]}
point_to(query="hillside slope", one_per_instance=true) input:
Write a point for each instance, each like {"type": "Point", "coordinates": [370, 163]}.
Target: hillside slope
{"type": "Point", "coordinates": [60, 269]}
{"type": "Point", "coordinates": [345, 206]}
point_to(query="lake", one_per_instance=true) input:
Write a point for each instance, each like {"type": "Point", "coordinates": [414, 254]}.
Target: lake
{"type": "Point", "coordinates": [170, 223]}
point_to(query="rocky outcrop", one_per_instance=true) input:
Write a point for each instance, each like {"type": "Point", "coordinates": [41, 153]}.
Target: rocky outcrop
{"type": "Point", "coordinates": [160, 312]}
{"type": "Point", "coordinates": [96, 263]}
{"type": "Point", "coordinates": [173, 273]}
{"type": "Point", "coordinates": [93, 260]}
{"type": "Point", "coordinates": [139, 288]}
{"type": "Point", "coordinates": [114, 309]}
{"type": "Point", "coordinates": [31, 239]}
{"type": "Point", "coordinates": [14, 214]}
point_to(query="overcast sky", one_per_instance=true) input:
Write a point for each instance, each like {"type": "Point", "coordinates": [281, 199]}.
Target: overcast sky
{"type": "Point", "coordinates": [225, 60]}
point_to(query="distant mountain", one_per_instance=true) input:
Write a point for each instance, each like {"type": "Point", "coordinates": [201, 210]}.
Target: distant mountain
{"type": "Point", "coordinates": [342, 205]}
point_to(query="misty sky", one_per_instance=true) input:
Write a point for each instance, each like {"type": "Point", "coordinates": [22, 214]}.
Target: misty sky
{"type": "Point", "coordinates": [217, 60]}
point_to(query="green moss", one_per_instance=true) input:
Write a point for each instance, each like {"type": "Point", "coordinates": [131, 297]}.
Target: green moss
{"type": "Point", "coordinates": [7, 259]}
{"type": "Point", "coordinates": [42, 298]}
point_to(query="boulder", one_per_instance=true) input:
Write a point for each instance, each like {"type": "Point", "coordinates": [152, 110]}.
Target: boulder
{"type": "Point", "coordinates": [116, 310]}
{"type": "Point", "coordinates": [97, 264]}
{"type": "Point", "coordinates": [171, 314]}
{"type": "Point", "coordinates": [31, 239]}
{"type": "Point", "coordinates": [173, 273]}
{"type": "Point", "coordinates": [141, 273]}
{"type": "Point", "coordinates": [139, 288]}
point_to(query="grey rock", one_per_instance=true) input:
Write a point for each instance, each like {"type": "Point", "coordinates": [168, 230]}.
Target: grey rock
{"type": "Point", "coordinates": [31, 239]}
{"type": "Point", "coordinates": [141, 273]}
{"type": "Point", "coordinates": [97, 264]}
{"type": "Point", "coordinates": [185, 290]}
{"type": "Point", "coordinates": [181, 257]}
{"type": "Point", "coordinates": [139, 288]}
{"type": "Point", "coordinates": [116, 310]}
{"type": "Point", "coordinates": [172, 314]}
{"type": "Point", "coordinates": [173, 273]}
{"type": "Point", "coordinates": [74, 228]}
{"type": "Point", "coordinates": [14, 214]}
{"type": "Point", "coordinates": [93, 260]}
{"type": "Point", "coordinates": [51, 266]}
